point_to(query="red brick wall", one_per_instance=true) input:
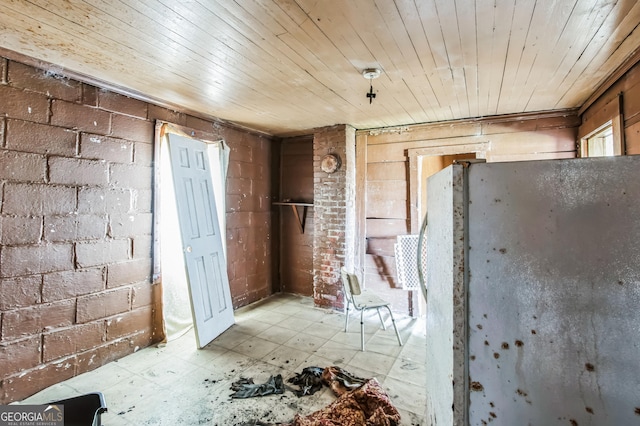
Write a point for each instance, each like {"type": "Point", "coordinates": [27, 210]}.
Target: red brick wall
{"type": "Point", "coordinates": [333, 198]}
{"type": "Point", "coordinates": [76, 168]}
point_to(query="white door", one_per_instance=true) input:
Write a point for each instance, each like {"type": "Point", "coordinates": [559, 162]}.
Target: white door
{"type": "Point", "coordinates": [201, 241]}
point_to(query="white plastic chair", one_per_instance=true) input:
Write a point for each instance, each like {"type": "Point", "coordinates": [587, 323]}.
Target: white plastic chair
{"type": "Point", "coordinates": [363, 300]}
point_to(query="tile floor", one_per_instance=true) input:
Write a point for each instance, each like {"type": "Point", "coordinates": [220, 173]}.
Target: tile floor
{"type": "Point", "coordinates": [178, 384]}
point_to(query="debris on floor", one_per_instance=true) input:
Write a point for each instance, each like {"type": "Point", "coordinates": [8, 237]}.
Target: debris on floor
{"type": "Point", "coordinates": [341, 381]}
{"type": "Point", "coordinates": [309, 381]}
{"type": "Point", "coordinates": [245, 388]}
{"type": "Point", "coordinates": [361, 402]}
{"type": "Point", "coordinates": [367, 405]}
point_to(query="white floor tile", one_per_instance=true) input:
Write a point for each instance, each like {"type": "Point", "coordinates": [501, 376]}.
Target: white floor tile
{"type": "Point", "coordinates": [178, 384]}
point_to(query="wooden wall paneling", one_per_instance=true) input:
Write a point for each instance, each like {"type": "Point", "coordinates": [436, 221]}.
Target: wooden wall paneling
{"type": "Point", "coordinates": [294, 283]}
{"type": "Point", "coordinates": [549, 140]}
{"type": "Point", "coordinates": [298, 145]}
{"type": "Point", "coordinates": [631, 95]}
{"type": "Point", "coordinates": [390, 171]}
{"type": "Point", "coordinates": [380, 273]}
{"type": "Point", "coordinates": [623, 71]}
{"type": "Point", "coordinates": [296, 254]}
{"type": "Point", "coordinates": [296, 183]}
{"type": "Point", "coordinates": [617, 124]}
{"type": "Point", "coordinates": [420, 132]}
{"type": "Point", "coordinates": [387, 199]}
{"type": "Point", "coordinates": [597, 118]}
{"type": "Point", "coordinates": [632, 138]}
{"type": "Point", "coordinates": [532, 156]}
{"type": "Point", "coordinates": [383, 266]}
{"type": "Point", "coordinates": [594, 119]}
{"type": "Point", "coordinates": [384, 227]}
{"type": "Point", "coordinates": [398, 151]}
{"type": "Point", "coordinates": [360, 203]}
{"type": "Point", "coordinates": [384, 286]}
{"type": "Point", "coordinates": [382, 246]}
{"type": "Point", "coordinates": [531, 123]}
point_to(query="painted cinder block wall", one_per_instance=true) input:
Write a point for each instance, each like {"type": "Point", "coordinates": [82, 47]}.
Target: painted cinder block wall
{"type": "Point", "coordinates": [76, 225]}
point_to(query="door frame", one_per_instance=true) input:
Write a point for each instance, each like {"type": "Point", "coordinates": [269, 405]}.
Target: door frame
{"type": "Point", "coordinates": [414, 154]}
{"type": "Point", "coordinates": [161, 129]}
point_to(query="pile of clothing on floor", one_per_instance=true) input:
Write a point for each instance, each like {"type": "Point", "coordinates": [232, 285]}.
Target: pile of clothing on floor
{"type": "Point", "coordinates": [360, 401]}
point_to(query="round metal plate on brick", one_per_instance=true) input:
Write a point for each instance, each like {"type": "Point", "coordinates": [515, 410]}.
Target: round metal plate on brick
{"type": "Point", "coordinates": [330, 163]}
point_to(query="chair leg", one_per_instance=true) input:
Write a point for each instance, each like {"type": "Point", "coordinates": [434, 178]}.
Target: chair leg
{"type": "Point", "coordinates": [384, 327]}
{"type": "Point", "coordinates": [362, 329]}
{"type": "Point", "coordinates": [346, 317]}
{"type": "Point", "coordinates": [393, 321]}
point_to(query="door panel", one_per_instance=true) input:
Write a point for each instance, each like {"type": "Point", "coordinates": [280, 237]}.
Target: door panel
{"type": "Point", "coordinates": [202, 244]}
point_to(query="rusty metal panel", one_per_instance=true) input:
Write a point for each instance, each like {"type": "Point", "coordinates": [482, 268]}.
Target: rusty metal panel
{"type": "Point", "coordinates": [554, 292]}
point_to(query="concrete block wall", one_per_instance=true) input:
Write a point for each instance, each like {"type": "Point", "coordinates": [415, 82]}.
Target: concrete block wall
{"type": "Point", "coordinates": [75, 228]}
{"type": "Point", "coordinates": [250, 227]}
{"type": "Point", "coordinates": [76, 219]}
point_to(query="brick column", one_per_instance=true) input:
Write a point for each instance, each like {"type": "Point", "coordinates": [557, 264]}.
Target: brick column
{"type": "Point", "coordinates": [334, 214]}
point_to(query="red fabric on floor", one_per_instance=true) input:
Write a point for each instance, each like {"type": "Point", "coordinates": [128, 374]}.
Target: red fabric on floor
{"type": "Point", "coordinates": [367, 405]}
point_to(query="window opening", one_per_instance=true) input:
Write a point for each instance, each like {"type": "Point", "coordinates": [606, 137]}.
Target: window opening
{"type": "Point", "coordinates": [600, 144]}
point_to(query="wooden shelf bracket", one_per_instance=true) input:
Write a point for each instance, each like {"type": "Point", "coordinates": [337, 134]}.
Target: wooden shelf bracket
{"type": "Point", "coordinates": [300, 219]}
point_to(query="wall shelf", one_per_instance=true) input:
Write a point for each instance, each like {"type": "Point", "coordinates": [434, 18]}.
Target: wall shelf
{"type": "Point", "coordinates": [300, 220]}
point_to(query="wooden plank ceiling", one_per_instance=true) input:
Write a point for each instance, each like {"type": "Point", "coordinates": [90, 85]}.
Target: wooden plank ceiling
{"type": "Point", "coordinates": [286, 66]}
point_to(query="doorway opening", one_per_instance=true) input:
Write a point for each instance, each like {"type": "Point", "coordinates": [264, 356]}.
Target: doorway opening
{"type": "Point", "coordinates": [191, 233]}
{"type": "Point", "coordinates": [424, 162]}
